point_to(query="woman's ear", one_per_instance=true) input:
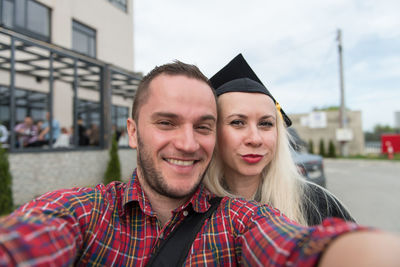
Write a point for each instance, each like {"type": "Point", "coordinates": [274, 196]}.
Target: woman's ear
{"type": "Point", "coordinates": [132, 132]}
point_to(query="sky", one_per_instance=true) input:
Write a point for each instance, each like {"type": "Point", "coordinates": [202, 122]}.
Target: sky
{"type": "Point", "coordinates": [291, 45]}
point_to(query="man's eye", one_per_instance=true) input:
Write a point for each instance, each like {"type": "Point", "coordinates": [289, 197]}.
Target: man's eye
{"type": "Point", "coordinates": [205, 129]}
{"type": "Point", "coordinates": [165, 124]}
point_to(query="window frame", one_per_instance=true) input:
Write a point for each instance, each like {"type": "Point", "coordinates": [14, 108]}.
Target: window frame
{"type": "Point", "coordinates": [89, 32]}
{"type": "Point", "coordinates": [118, 4]}
{"type": "Point", "coordinates": [23, 29]}
{"type": "Point", "coordinates": [88, 108]}
{"type": "Point", "coordinates": [116, 114]}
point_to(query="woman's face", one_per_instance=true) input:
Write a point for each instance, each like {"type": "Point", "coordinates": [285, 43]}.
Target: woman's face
{"type": "Point", "coordinates": [247, 133]}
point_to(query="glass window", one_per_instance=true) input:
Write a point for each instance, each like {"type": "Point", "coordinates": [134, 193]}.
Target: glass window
{"type": "Point", "coordinates": [83, 39]}
{"type": "Point", "coordinates": [89, 111]}
{"type": "Point", "coordinates": [7, 13]}
{"type": "Point", "coordinates": [119, 116]}
{"type": "Point", "coordinates": [122, 4]}
{"type": "Point", "coordinates": [5, 106]}
{"type": "Point", "coordinates": [28, 103]}
{"type": "Point", "coordinates": [20, 13]}
{"type": "Point", "coordinates": [31, 18]}
{"type": "Point", "coordinates": [88, 123]}
{"type": "Point", "coordinates": [38, 19]}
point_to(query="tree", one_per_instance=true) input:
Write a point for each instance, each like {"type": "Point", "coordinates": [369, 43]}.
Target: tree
{"type": "Point", "coordinates": [322, 148]}
{"type": "Point", "coordinates": [6, 199]}
{"type": "Point", "coordinates": [331, 149]}
{"type": "Point", "coordinates": [113, 172]}
{"type": "Point", "coordinates": [375, 135]}
{"type": "Point", "coordinates": [326, 108]}
{"type": "Point", "coordinates": [311, 147]}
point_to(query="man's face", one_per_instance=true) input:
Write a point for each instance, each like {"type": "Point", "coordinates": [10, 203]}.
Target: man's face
{"type": "Point", "coordinates": [174, 135]}
{"type": "Point", "coordinates": [28, 121]}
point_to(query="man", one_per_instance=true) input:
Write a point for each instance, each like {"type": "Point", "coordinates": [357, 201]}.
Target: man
{"type": "Point", "coordinates": [26, 132]}
{"type": "Point", "coordinates": [83, 139]}
{"type": "Point", "coordinates": [44, 135]}
{"type": "Point", "coordinates": [173, 129]}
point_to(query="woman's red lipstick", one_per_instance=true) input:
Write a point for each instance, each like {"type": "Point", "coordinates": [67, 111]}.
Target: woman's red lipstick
{"type": "Point", "coordinates": [252, 158]}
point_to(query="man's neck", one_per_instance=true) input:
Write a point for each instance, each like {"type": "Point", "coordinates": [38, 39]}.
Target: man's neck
{"type": "Point", "coordinates": [162, 205]}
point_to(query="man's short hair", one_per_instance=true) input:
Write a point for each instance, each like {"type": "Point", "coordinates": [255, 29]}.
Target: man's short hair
{"type": "Point", "coordinates": [175, 68]}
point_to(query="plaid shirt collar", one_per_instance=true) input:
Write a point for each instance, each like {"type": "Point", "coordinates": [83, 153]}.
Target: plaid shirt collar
{"type": "Point", "coordinates": [135, 194]}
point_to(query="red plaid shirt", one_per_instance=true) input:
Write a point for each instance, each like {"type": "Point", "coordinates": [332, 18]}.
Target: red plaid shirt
{"type": "Point", "coordinates": [114, 225]}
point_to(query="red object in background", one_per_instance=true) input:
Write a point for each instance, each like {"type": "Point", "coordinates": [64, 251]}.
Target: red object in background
{"type": "Point", "coordinates": [390, 143]}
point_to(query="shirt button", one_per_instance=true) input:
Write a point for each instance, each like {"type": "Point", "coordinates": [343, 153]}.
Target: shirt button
{"type": "Point", "coordinates": [185, 213]}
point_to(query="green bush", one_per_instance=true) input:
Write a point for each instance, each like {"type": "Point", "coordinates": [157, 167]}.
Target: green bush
{"type": "Point", "coordinates": [311, 147]}
{"type": "Point", "coordinates": [322, 148]}
{"type": "Point", "coordinates": [331, 149]}
{"type": "Point", "coordinates": [6, 199]}
{"type": "Point", "coordinates": [113, 172]}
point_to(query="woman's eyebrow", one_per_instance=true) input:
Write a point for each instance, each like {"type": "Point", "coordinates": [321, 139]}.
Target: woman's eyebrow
{"type": "Point", "coordinates": [267, 117]}
{"type": "Point", "coordinates": [237, 115]}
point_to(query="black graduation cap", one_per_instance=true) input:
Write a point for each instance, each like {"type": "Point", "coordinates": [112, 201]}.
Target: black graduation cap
{"type": "Point", "coordinates": [238, 76]}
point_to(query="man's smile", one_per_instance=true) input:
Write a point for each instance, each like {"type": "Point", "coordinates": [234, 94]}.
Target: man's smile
{"type": "Point", "coordinates": [181, 162]}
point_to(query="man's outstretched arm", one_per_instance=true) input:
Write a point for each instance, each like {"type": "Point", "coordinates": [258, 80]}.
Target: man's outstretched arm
{"type": "Point", "coordinates": [273, 240]}
{"type": "Point", "coordinates": [364, 248]}
{"type": "Point", "coordinates": [46, 230]}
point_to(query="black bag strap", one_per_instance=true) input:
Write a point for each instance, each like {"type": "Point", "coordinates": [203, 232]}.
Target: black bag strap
{"type": "Point", "coordinates": [173, 250]}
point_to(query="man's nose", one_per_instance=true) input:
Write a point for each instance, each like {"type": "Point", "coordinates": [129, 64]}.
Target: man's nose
{"type": "Point", "coordinates": [186, 140]}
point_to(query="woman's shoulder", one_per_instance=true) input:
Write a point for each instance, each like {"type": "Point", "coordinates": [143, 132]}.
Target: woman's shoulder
{"type": "Point", "coordinates": [320, 204]}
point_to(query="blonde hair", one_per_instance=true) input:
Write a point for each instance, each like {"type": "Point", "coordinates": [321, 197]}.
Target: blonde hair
{"type": "Point", "coordinates": [282, 186]}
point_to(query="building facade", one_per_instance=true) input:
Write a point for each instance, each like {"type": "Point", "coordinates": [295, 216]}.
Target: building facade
{"type": "Point", "coordinates": [324, 125]}
{"type": "Point", "coordinates": [397, 119]}
{"type": "Point", "coordinates": [69, 64]}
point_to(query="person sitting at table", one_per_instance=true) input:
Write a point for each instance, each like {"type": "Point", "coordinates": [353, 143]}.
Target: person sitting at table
{"type": "Point", "coordinates": [26, 132]}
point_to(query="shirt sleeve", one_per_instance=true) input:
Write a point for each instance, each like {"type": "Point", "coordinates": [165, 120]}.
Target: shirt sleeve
{"type": "Point", "coordinates": [276, 241]}
{"type": "Point", "coordinates": [48, 230]}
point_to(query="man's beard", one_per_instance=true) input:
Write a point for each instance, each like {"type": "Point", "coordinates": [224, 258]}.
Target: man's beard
{"type": "Point", "coordinates": [155, 179]}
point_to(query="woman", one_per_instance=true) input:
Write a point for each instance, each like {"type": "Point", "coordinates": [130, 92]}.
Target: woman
{"type": "Point", "coordinates": [253, 159]}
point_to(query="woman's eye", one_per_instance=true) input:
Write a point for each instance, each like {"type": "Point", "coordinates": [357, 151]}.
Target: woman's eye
{"type": "Point", "coordinates": [266, 124]}
{"type": "Point", "coordinates": [237, 123]}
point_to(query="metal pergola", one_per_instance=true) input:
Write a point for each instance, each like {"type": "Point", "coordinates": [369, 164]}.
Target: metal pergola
{"type": "Point", "coordinates": [24, 56]}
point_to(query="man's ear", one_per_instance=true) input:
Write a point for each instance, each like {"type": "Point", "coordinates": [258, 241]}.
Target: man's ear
{"type": "Point", "coordinates": [132, 132]}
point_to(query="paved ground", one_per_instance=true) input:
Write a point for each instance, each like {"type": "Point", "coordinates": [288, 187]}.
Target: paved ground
{"type": "Point", "coordinates": [369, 188]}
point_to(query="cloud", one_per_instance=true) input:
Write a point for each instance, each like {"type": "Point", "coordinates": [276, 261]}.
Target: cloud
{"type": "Point", "coordinates": [291, 45]}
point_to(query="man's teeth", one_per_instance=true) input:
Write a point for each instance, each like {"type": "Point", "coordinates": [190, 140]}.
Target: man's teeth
{"type": "Point", "coordinates": [181, 162]}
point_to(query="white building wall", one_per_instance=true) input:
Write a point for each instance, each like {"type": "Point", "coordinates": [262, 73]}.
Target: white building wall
{"type": "Point", "coordinates": [36, 173]}
{"type": "Point", "coordinates": [328, 131]}
{"type": "Point", "coordinates": [114, 27]}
